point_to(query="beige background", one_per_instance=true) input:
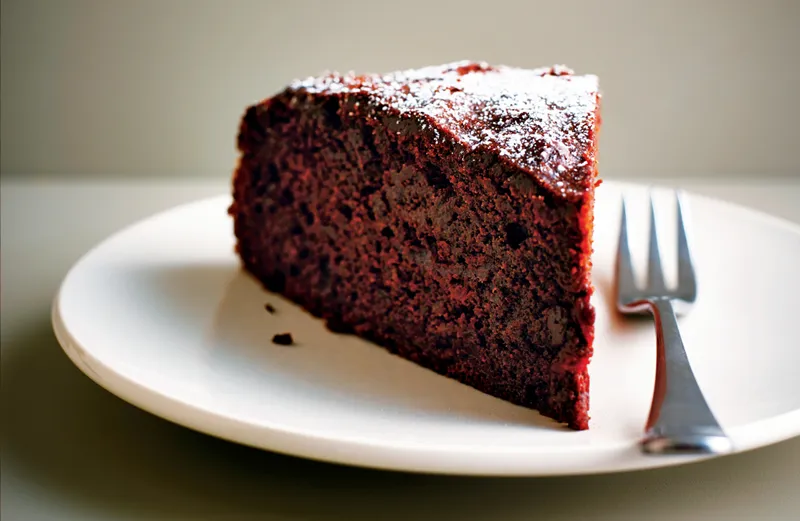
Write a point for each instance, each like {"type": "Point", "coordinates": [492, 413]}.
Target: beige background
{"type": "Point", "coordinates": [155, 88]}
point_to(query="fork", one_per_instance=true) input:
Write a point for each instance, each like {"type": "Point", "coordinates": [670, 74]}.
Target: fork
{"type": "Point", "coordinates": [680, 420]}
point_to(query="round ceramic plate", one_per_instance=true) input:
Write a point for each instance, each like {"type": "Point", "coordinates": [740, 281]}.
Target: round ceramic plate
{"type": "Point", "coordinates": [161, 315]}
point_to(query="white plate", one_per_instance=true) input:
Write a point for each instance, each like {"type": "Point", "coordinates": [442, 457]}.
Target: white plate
{"type": "Point", "coordinates": [161, 315]}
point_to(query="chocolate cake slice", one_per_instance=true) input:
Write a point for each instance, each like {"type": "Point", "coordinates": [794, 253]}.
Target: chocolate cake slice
{"type": "Point", "coordinates": [444, 213]}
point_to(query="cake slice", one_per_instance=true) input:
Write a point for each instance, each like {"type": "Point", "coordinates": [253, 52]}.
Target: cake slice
{"type": "Point", "coordinates": [444, 213]}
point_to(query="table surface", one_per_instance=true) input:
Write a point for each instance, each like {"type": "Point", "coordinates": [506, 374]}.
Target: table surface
{"type": "Point", "coordinates": [71, 450]}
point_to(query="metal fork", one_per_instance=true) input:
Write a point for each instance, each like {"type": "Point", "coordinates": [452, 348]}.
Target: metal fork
{"type": "Point", "coordinates": [680, 420]}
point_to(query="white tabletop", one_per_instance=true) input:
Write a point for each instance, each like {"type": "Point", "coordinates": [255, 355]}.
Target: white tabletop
{"type": "Point", "coordinates": [71, 450]}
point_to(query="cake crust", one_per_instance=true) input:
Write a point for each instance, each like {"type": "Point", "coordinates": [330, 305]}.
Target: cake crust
{"type": "Point", "coordinates": [541, 121]}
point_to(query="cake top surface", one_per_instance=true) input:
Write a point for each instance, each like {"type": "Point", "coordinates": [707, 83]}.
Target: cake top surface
{"type": "Point", "coordinates": [539, 120]}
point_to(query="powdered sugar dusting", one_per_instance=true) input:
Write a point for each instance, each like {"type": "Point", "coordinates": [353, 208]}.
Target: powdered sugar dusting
{"type": "Point", "coordinates": [541, 120]}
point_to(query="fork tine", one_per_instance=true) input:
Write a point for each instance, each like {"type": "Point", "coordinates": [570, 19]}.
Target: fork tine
{"type": "Point", "coordinates": [655, 276]}
{"type": "Point", "coordinates": [626, 284]}
{"type": "Point", "coordinates": [687, 285]}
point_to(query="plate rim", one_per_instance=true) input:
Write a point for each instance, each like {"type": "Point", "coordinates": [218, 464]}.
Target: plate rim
{"type": "Point", "coordinates": [386, 456]}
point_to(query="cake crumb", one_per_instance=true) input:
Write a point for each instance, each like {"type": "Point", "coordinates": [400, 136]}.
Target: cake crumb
{"type": "Point", "coordinates": [283, 339]}
{"type": "Point", "coordinates": [269, 307]}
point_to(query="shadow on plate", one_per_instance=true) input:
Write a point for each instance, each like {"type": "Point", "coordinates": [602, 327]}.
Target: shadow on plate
{"type": "Point", "coordinates": [329, 370]}
{"type": "Point", "coordinates": [341, 372]}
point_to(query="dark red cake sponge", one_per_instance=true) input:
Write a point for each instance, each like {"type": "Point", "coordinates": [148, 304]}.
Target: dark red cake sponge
{"type": "Point", "coordinates": [444, 213]}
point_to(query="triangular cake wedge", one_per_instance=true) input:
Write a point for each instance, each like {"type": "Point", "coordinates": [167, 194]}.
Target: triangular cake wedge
{"type": "Point", "coordinates": [444, 213]}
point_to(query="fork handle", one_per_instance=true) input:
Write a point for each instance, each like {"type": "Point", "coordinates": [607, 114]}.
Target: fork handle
{"type": "Point", "coordinates": [680, 419]}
